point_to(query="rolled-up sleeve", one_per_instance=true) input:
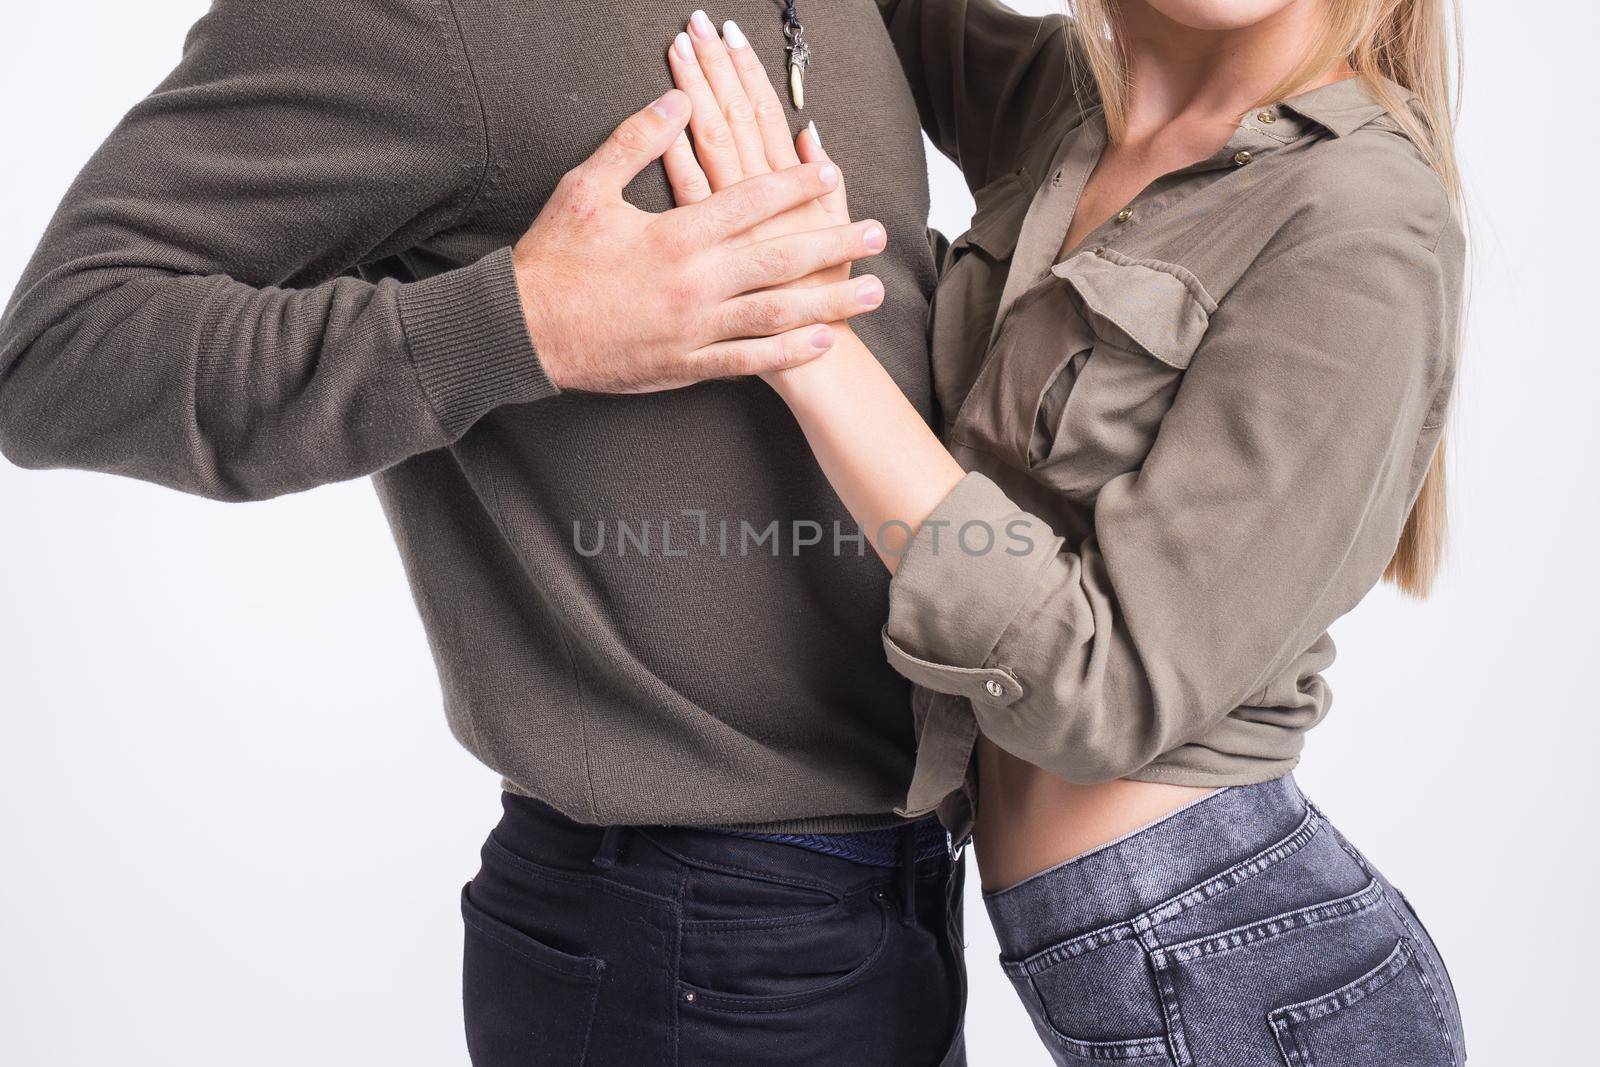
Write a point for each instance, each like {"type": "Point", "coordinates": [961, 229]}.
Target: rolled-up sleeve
{"type": "Point", "coordinates": [1270, 503]}
{"type": "Point", "coordinates": [958, 589]}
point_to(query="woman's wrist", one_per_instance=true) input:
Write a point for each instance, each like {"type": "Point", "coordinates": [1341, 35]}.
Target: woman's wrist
{"type": "Point", "coordinates": [813, 380]}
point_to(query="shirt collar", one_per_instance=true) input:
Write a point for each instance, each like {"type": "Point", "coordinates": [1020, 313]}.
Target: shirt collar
{"type": "Point", "coordinates": [1344, 106]}
{"type": "Point", "coordinates": [1340, 107]}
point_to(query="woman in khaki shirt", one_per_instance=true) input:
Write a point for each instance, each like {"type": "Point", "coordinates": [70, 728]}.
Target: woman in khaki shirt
{"type": "Point", "coordinates": [1193, 359]}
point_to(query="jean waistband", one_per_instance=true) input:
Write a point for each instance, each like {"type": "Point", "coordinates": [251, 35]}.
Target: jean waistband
{"type": "Point", "coordinates": [1150, 866]}
{"type": "Point", "coordinates": [891, 846]}
{"type": "Point", "coordinates": [532, 828]}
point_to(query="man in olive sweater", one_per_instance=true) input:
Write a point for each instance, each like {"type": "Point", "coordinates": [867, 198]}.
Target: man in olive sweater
{"type": "Point", "coordinates": [311, 255]}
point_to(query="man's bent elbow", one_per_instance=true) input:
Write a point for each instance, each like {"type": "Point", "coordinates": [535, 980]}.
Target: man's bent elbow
{"type": "Point", "coordinates": [39, 433]}
{"type": "Point", "coordinates": [22, 441]}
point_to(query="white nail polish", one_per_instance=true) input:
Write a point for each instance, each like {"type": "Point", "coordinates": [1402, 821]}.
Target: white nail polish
{"type": "Point", "coordinates": [683, 46]}
{"type": "Point", "coordinates": [816, 138]}
{"type": "Point", "coordinates": [733, 34]}
{"type": "Point", "coordinates": [702, 26]}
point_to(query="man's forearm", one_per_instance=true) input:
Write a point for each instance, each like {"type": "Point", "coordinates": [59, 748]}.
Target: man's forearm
{"type": "Point", "coordinates": [188, 318]}
{"type": "Point", "coordinates": [222, 389]}
{"type": "Point", "coordinates": [155, 334]}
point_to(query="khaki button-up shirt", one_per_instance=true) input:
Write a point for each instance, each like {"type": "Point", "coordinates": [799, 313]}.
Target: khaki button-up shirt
{"type": "Point", "coordinates": [1193, 442]}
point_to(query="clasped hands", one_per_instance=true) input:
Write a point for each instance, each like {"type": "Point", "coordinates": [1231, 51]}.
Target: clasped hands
{"type": "Point", "coordinates": [749, 274]}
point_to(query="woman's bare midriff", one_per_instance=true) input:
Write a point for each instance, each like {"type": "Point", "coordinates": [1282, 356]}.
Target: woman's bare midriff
{"type": "Point", "coordinates": [1029, 820]}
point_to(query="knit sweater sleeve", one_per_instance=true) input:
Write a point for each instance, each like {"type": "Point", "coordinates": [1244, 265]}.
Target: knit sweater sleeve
{"type": "Point", "coordinates": [191, 317]}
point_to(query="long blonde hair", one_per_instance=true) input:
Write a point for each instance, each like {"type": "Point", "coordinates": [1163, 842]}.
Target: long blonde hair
{"type": "Point", "coordinates": [1412, 43]}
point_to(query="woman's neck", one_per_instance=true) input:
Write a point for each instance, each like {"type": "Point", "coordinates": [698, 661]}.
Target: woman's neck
{"type": "Point", "coordinates": [1180, 76]}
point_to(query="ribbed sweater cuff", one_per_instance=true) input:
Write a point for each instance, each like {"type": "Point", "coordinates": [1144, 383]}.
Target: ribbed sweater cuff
{"type": "Point", "coordinates": [470, 343]}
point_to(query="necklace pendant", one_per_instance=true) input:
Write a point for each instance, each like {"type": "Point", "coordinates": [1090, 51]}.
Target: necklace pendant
{"type": "Point", "coordinates": [799, 62]}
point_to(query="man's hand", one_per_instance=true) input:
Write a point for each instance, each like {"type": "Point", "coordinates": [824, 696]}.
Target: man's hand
{"type": "Point", "coordinates": [622, 301]}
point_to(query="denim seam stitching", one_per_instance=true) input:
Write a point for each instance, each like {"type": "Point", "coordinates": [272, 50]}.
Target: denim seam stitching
{"type": "Point", "coordinates": [1368, 896]}
{"type": "Point", "coordinates": [589, 974]}
{"type": "Point", "coordinates": [1131, 1048]}
{"type": "Point", "coordinates": [1287, 1020]}
{"type": "Point", "coordinates": [736, 1004]}
{"type": "Point", "coordinates": [713, 927]}
{"type": "Point", "coordinates": [1240, 873]}
{"type": "Point", "coordinates": [1438, 1010]}
{"type": "Point", "coordinates": [670, 990]}
{"type": "Point", "coordinates": [1348, 996]}
{"type": "Point", "coordinates": [745, 872]}
{"type": "Point", "coordinates": [1294, 1053]}
{"type": "Point", "coordinates": [1073, 948]}
{"type": "Point", "coordinates": [1422, 973]}
{"type": "Point", "coordinates": [590, 881]}
{"type": "Point", "coordinates": [1166, 996]}
{"type": "Point", "coordinates": [1174, 906]}
{"type": "Point", "coordinates": [1135, 1048]}
{"type": "Point", "coordinates": [1418, 935]}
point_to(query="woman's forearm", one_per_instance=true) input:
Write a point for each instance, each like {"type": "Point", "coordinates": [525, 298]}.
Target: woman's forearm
{"type": "Point", "coordinates": [888, 468]}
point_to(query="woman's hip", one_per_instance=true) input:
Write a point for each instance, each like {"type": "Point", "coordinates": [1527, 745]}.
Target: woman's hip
{"type": "Point", "coordinates": [1242, 929]}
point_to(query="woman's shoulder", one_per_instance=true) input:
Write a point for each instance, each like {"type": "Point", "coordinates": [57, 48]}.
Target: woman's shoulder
{"type": "Point", "coordinates": [1372, 177]}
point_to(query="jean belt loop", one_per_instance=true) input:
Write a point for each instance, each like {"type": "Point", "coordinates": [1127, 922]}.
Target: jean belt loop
{"type": "Point", "coordinates": [908, 874]}
{"type": "Point", "coordinates": [605, 857]}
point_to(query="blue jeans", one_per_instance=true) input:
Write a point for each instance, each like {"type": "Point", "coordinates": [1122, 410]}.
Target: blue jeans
{"type": "Point", "coordinates": [1242, 930]}
{"type": "Point", "coordinates": [649, 945]}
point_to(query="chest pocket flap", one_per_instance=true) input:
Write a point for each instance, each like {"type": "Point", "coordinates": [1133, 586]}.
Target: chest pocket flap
{"type": "Point", "coordinates": [1141, 305]}
{"type": "Point", "coordinates": [1098, 418]}
{"type": "Point", "coordinates": [998, 211]}
{"type": "Point", "coordinates": [1083, 369]}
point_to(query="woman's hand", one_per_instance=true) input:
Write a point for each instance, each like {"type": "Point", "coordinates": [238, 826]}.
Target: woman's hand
{"type": "Point", "coordinates": [740, 130]}
{"type": "Point", "coordinates": [886, 465]}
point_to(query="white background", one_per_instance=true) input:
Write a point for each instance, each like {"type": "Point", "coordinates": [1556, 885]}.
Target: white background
{"type": "Point", "coordinates": [233, 825]}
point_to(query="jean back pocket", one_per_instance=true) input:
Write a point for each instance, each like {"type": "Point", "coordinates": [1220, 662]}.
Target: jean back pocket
{"type": "Point", "coordinates": [1093, 1000]}
{"type": "Point", "coordinates": [1370, 1020]}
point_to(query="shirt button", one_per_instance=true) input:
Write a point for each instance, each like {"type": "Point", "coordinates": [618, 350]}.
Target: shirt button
{"type": "Point", "coordinates": [1268, 117]}
{"type": "Point", "coordinates": [1125, 214]}
{"type": "Point", "coordinates": [1100, 250]}
{"type": "Point", "coordinates": [994, 688]}
{"type": "Point", "coordinates": [1241, 158]}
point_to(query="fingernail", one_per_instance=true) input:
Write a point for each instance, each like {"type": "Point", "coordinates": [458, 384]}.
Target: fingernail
{"type": "Point", "coordinates": [701, 26]}
{"type": "Point", "coordinates": [821, 338]}
{"type": "Point", "coordinates": [666, 105]}
{"type": "Point", "coordinates": [829, 175]}
{"type": "Point", "coordinates": [870, 291]}
{"type": "Point", "coordinates": [681, 45]}
{"type": "Point", "coordinates": [733, 34]}
{"type": "Point", "coordinates": [816, 138]}
{"type": "Point", "coordinates": [874, 239]}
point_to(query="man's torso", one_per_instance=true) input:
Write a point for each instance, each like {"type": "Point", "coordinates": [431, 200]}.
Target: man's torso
{"type": "Point", "coordinates": [724, 685]}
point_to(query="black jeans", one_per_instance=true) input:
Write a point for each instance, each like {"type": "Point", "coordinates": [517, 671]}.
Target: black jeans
{"type": "Point", "coordinates": [678, 946]}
